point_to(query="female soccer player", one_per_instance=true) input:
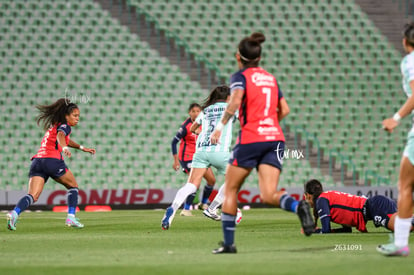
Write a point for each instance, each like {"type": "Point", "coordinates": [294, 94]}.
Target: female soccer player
{"type": "Point", "coordinates": [406, 178]}
{"type": "Point", "coordinates": [348, 210]}
{"type": "Point", "coordinates": [256, 94]}
{"type": "Point", "coordinates": [187, 141]}
{"type": "Point", "coordinates": [57, 119]}
{"type": "Point", "coordinates": [206, 154]}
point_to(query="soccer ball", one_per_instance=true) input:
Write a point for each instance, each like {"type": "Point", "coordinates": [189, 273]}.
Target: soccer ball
{"type": "Point", "coordinates": [239, 216]}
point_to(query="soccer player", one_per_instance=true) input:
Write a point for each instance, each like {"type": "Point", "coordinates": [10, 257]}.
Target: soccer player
{"type": "Point", "coordinates": [57, 119]}
{"type": "Point", "coordinates": [260, 144]}
{"type": "Point", "coordinates": [187, 141]}
{"type": "Point", "coordinates": [399, 247]}
{"type": "Point", "coordinates": [348, 210]}
{"type": "Point", "coordinates": [206, 154]}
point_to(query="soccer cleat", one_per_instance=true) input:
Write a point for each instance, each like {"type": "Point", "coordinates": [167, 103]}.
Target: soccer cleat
{"type": "Point", "coordinates": [73, 222]}
{"type": "Point", "coordinates": [186, 213]}
{"type": "Point", "coordinates": [202, 206]}
{"type": "Point", "coordinates": [12, 220]}
{"type": "Point", "coordinates": [306, 218]}
{"type": "Point", "coordinates": [212, 214]}
{"type": "Point", "coordinates": [392, 250]}
{"type": "Point", "coordinates": [225, 249]}
{"type": "Point", "coordinates": [166, 220]}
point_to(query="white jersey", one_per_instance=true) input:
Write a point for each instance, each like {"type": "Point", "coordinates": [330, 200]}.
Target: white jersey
{"type": "Point", "coordinates": [209, 118]}
{"type": "Point", "coordinates": [407, 70]}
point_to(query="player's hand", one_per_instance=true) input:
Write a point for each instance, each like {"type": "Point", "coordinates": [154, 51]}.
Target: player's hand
{"type": "Point", "coordinates": [215, 137]}
{"type": "Point", "coordinates": [66, 151]}
{"type": "Point", "coordinates": [176, 165]}
{"type": "Point", "coordinates": [389, 124]}
{"type": "Point", "coordinates": [89, 150]}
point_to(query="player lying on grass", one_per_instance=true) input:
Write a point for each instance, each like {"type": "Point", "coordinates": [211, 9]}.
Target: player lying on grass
{"type": "Point", "coordinates": [348, 210]}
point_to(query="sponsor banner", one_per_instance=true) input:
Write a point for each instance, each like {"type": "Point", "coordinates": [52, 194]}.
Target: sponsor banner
{"type": "Point", "coordinates": [166, 196]}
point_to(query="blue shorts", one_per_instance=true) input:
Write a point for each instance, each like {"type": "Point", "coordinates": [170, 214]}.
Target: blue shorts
{"type": "Point", "coordinates": [47, 167]}
{"type": "Point", "coordinates": [186, 165]}
{"type": "Point", "coordinates": [380, 209]}
{"type": "Point", "coordinates": [252, 154]}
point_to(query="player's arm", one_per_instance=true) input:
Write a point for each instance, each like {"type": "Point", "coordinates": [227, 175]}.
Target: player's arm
{"type": "Point", "coordinates": [195, 128]}
{"type": "Point", "coordinates": [236, 99]}
{"type": "Point", "coordinates": [324, 213]}
{"type": "Point", "coordinates": [390, 123]}
{"type": "Point", "coordinates": [283, 109]}
{"type": "Point", "coordinates": [181, 133]}
{"type": "Point", "coordinates": [80, 147]}
{"type": "Point", "coordinates": [62, 142]}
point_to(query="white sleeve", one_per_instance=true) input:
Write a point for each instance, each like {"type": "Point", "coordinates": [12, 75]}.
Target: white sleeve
{"type": "Point", "coordinates": [199, 118]}
{"type": "Point", "coordinates": [410, 68]}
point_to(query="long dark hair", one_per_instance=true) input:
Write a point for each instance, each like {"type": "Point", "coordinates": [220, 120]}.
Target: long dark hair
{"type": "Point", "coordinates": [314, 188]}
{"type": "Point", "coordinates": [408, 33]}
{"type": "Point", "coordinates": [193, 105]}
{"type": "Point", "coordinates": [54, 113]}
{"type": "Point", "coordinates": [250, 49]}
{"type": "Point", "coordinates": [220, 93]}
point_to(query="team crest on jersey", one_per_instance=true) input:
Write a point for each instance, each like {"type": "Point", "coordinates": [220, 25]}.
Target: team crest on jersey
{"type": "Point", "coordinates": [260, 79]}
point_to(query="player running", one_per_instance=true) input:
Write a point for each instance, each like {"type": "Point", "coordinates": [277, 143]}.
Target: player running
{"type": "Point", "coordinates": [260, 144]}
{"type": "Point", "coordinates": [187, 141]}
{"type": "Point", "coordinates": [206, 154]}
{"type": "Point", "coordinates": [399, 247]}
{"type": "Point", "coordinates": [57, 119]}
{"type": "Point", "coordinates": [348, 210]}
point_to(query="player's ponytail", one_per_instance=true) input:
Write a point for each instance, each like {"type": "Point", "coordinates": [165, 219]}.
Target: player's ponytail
{"type": "Point", "coordinates": [409, 34]}
{"type": "Point", "coordinates": [55, 113]}
{"type": "Point", "coordinates": [250, 49]}
{"type": "Point", "coordinates": [220, 93]}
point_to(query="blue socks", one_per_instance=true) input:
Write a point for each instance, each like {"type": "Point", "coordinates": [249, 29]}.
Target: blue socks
{"type": "Point", "coordinates": [23, 203]}
{"type": "Point", "coordinates": [288, 203]}
{"type": "Point", "coordinates": [72, 200]}
{"type": "Point", "coordinates": [206, 193]}
{"type": "Point", "coordinates": [228, 223]}
{"type": "Point", "coordinates": [189, 201]}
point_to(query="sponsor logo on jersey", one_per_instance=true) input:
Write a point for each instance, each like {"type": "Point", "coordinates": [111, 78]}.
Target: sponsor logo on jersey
{"type": "Point", "coordinates": [260, 79]}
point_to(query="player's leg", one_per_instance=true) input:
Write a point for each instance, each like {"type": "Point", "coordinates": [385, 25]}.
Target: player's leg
{"type": "Point", "coordinates": [235, 177]}
{"type": "Point", "coordinates": [208, 188]}
{"type": "Point", "coordinates": [402, 224]}
{"type": "Point", "coordinates": [268, 181]}
{"type": "Point", "coordinates": [186, 165]}
{"type": "Point", "coordinates": [36, 184]}
{"type": "Point", "coordinates": [211, 211]}
{"type": "Point", "coordinates": [193, 183]}
{"type": "Point", "coordinates": [68, 180]}
{"type": "Point", "coordinates": [219, 160]}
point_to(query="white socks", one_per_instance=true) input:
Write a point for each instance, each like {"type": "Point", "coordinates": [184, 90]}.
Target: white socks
{"type": "Point", "coordinates": [401, 231]}
{"type": "Point", "coordinates": [182, 195]}
{"type": "Point", "coordinates": [218, 200]}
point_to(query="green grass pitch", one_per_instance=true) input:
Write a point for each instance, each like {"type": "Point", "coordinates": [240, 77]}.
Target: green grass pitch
{"type": "Point", "coordinates": [132, 242]}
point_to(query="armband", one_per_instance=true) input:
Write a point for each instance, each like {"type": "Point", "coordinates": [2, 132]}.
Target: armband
{"type": "Point", "coordinates": [81, 147]}
{"type": "Point", "coordinates": [219, 126]}
{"type": "Point", "coordinates": [397, 117]}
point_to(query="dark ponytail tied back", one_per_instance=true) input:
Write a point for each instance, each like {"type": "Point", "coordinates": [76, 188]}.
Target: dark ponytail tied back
{"type": "Point", "coordinates": [250, 49]}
